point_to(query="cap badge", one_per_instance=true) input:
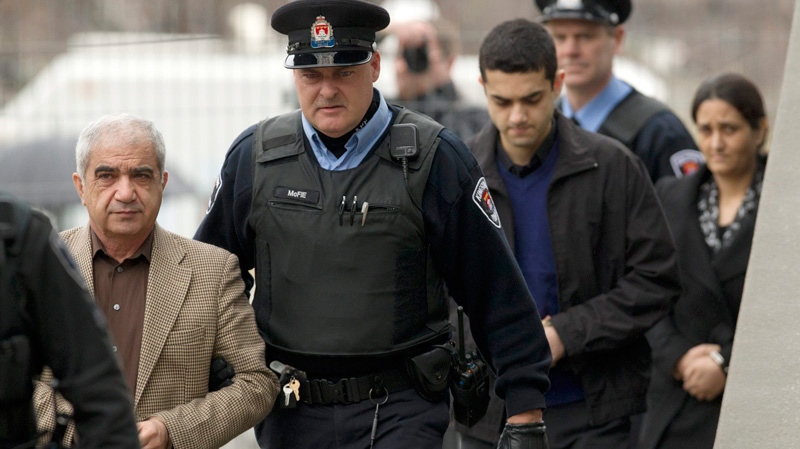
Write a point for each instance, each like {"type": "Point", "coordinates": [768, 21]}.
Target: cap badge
{"type": "Point", "coordinates": [569, 4]}
{"type": "Point", "coordinates": [322, 33]}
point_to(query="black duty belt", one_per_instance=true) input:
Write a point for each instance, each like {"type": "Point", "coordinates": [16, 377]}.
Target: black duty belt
{"type": "Point", "coordinates": [353, 389]}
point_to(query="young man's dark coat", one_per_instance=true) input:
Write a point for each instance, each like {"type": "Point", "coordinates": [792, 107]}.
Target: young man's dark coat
{"type": "Point", "coordinates": [615, 261]}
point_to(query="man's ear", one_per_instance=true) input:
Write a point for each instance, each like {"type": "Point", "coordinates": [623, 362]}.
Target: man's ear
{"type": "Point", "coordinates": [78, 182]}
{"type": "Point", "coordinates": [375, 62]}
{"type": "Point", "coordinates": [558, 82]}
{"type": "Point", "coordinates": [618, 33]}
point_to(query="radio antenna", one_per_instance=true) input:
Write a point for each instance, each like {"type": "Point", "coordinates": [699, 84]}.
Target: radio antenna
{"type": "Point", "coordinates": [461, 355]}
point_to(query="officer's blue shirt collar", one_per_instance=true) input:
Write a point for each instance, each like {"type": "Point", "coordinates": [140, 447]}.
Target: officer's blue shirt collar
{"type": "Point", "coordinates": [359, 144]}
{"type": "Point", "coordinates": [592, 115]}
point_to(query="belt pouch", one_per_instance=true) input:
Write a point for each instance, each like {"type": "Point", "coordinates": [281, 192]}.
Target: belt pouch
{"type": "Point", "coordinates": [430, 372]}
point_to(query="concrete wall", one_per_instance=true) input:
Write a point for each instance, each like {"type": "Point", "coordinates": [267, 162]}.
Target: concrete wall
{"type": "Point", "coordinates": [762, 397]}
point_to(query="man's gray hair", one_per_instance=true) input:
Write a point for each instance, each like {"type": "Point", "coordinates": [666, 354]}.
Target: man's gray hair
{"type": "Point", "coordinates": [120, 129]}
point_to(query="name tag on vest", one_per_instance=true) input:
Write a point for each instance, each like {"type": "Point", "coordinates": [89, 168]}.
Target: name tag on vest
{"type": "Point", "coordinates": [299, 195]}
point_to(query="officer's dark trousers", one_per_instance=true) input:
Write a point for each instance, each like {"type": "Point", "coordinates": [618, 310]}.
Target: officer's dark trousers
{"type": "Point", "coordinates": [404, 421]}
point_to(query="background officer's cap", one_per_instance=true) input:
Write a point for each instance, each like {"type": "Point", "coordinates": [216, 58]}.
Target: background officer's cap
{"type": "Point", "coordinates": [329, 33]}
{"type": "Point", "coordinates": [608, 12]}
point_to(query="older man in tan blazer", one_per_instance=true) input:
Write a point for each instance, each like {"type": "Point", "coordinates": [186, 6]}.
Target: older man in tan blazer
{"type": "Point", "coordinates": [172, 304]}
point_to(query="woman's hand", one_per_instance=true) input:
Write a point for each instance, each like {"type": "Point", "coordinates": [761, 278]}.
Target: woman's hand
{"type": "Point", "coordinates": [698, 352]}
{"type": "Point", "coordinates": [702, 377]}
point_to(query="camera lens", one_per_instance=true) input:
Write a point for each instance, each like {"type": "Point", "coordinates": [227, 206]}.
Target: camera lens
{"type": "Point", "coordinates": [416, 58]}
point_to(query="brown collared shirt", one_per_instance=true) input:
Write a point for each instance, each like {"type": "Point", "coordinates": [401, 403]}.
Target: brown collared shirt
{"type": "Point", "coordinates": [120, 290]}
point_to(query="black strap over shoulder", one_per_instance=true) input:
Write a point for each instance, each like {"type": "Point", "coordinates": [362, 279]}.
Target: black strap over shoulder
{"type": "Point", "coordinates": [630, 115]}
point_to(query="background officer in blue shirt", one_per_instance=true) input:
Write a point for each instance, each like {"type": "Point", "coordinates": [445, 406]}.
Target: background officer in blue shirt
{"type": "Point", "coordinates": [355, 214]}
{"type": "Point", "coordinates": [588, 34]}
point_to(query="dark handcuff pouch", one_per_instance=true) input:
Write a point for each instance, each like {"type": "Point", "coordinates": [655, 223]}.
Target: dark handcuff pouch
{"type": "Point", "coordinates": [429, 372]}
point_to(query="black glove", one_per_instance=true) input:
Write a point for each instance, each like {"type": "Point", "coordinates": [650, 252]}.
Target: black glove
{"type": "Point", "coordinates": [220, 375]}
{"type": "Point", "coordinates": [523, 436]}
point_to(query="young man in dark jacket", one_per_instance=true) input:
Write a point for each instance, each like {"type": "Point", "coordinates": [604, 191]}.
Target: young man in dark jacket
{"type": "Point", "coordinates": [582, 217]}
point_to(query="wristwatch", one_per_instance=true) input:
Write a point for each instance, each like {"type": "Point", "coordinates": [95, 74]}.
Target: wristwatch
{"type": "Point", "coordinates": [719, 360]}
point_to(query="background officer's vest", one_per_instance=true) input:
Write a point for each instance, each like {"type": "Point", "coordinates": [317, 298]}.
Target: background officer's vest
{"type": "Point", "coordinates": [629, 117]}
{"type": "Point", "coordinates": [330, 281]}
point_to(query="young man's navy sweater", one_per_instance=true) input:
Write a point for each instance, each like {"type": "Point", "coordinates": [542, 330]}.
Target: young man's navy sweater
{"type": "Point", "coordinates": [527, 189]}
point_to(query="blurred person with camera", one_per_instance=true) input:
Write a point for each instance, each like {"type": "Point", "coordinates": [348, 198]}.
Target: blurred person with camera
{"type": "Point", "coordinates": [712, 214]}
{"type": "Point", "coordinates": [588, 35]}
{"type": "Point", "coordinates": [426, 52]}
{"type": "Point", "coordinates": [585, 225]}
{"type": "Point", "coordinates": [47, 318]}
{"type": "Point", "coordinates": [355, 214]}
{"type": "Point", "coordinates": [173, 304]}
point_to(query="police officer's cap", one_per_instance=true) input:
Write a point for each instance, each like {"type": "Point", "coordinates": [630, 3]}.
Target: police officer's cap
{"type": "Point", "coordinates": [329, 33]}
{"type": "Point", "coordinates": [608, 12]}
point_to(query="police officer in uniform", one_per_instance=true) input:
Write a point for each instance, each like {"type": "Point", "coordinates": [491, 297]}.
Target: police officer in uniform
{"type": "Point", "coordinates": [42, 323]}
{"type": "Point", "coordinates": [588, 34]}
{"type": "Point", "coordinates": [355, 213]}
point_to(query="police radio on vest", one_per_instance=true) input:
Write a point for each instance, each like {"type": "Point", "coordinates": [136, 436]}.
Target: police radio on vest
{"type": "Point", "coordinates": [403, 137]}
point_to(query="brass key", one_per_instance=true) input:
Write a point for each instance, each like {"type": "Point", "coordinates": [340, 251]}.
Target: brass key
{"type": "Point", "coordinates": [294, 385]}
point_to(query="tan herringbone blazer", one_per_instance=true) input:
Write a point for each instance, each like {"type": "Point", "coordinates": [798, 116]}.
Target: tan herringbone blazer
{"type": "Point", "coordinates": [196, 309]}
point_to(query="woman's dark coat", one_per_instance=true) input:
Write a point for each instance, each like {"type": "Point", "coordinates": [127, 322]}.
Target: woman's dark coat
{"type": "Point", "coordinates": [705, 313]}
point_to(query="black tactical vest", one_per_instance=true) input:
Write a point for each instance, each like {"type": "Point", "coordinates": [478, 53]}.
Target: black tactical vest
{"type": "Point", "coordinates": [342, 263]}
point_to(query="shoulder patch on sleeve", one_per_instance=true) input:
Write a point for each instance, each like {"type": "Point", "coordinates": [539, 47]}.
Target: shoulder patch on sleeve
{"type": "Point", "coordinates": [483, 199]}
{"type": "Point", "coordinates": [685, 162]}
